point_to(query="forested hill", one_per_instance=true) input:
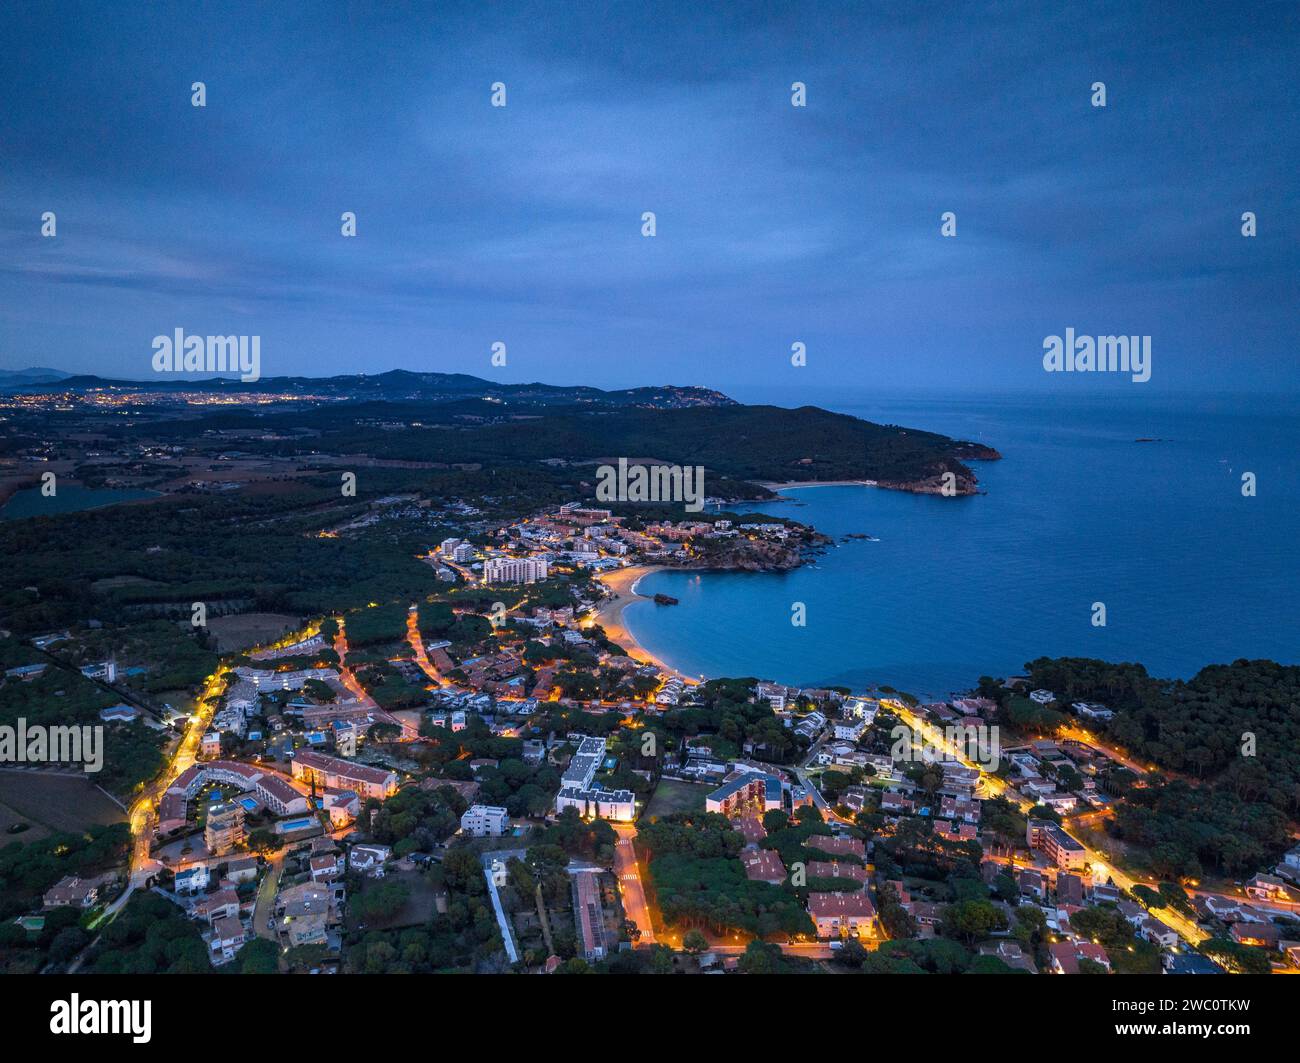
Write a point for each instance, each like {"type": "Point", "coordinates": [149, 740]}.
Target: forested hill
{"type": "Point", "coordinates": [756, 443]}
{"type": "Point", "coordinates": [1232, 734]}
{"type": "Point", "coordinates": [398, 385]}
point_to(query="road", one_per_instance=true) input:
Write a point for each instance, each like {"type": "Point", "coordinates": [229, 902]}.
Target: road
{"type": "Point", "coordinates": [417, 648]}
{"type": "Point", "coordinates": [1096, 862]}
{"type": "Point", "coordinates": [265, 902]}
{"type": "Point", "coordinates": [143, 810]}
{"type": "Point", "coordinates": [801, 773]}
{"type": "Point", "coordinates": [629, 881]}
{"type": "Point", "coordinates": [350, 681]}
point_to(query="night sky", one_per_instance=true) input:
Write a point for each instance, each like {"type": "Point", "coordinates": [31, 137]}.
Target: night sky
{"type": "Point", "coordinates": [775, 224]}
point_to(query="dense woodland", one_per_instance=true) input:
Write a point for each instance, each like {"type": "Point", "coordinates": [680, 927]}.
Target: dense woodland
{"type": "Point", "coordinates": [1230, 739]}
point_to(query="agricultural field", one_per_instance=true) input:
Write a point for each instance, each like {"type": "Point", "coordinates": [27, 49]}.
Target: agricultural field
{"type": "Point", "coordinates": [242, 631]}
{"type": "Point", "coordinates": [51, 803]}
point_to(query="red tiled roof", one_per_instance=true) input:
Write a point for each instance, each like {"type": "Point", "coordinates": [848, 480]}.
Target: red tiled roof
{"type": "Point", "coordinates": [829, 905]}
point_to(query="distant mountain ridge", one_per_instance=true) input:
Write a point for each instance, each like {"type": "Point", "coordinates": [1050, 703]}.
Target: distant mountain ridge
{"type": "Point", "coordinates": [396, 385]}
{"type": "Point", "coordinates": [16, 378]}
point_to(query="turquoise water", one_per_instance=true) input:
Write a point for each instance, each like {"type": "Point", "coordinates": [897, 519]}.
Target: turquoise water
{"type": "Point", "coordinates": [1077, 512]}
{"type": "Point", "coordinates": [69, 499]}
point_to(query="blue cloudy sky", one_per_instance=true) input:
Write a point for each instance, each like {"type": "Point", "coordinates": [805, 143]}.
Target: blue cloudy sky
{"type": "Point", "coordinates": [775, 224]}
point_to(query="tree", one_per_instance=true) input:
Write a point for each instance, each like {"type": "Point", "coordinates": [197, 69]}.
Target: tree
{"type": "Point", "coordinates": [694, 942]}
{"type": "Point", "coordinates": [259, 956]}
{"type": "Point", "coordinates": [760, 958]}
{"type": "Point", "coordinates": [971, 920]}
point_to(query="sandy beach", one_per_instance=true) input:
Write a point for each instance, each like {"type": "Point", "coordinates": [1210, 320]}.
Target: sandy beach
{"type": "Point", "coordinates": [622, 582]}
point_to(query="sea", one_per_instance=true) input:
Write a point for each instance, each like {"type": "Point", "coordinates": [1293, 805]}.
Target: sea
{"type": "Point", "coordinates": [1130, 504]}
{"type": "Point", "coordinates": [30, 502]}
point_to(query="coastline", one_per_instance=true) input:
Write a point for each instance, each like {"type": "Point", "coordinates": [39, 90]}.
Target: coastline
{"type": "Point", "coordinates": [623, 583]}
{"type": "Point", "coordinates": [818, 483]}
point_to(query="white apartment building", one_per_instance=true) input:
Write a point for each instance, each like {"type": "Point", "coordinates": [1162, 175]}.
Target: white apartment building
{"type": "Point", "coordinates": [514, 570]}
{"type": "Point", "coordinates": [484, 821]}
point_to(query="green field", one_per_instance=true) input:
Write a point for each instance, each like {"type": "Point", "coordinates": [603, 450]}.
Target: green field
{"type": "Point", "coordinates": [673, 796]}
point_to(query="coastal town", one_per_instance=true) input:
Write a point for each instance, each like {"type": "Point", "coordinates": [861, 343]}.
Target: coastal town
{"type": "Point", "coordinates": [496, 776]}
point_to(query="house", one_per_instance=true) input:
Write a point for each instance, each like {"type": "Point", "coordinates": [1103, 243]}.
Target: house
{"type": "Point", "coordinates": [1088, 950]}
{"type": "Point", "coordinates": [958, 808]}
{"type": "Point", "coordinates": [1265, 935]}
{"type": "Point", "coordinates": [895, 803]}
{"type": "Point", "coordinates": [1010, 953]}
{"type": "Point", "coordinates": [1268, 888]}
{"type": "Point", "coordinates": [242, 869]}
{"type": "Point", "coordinates": [1063, 957]}
{"type": "Point", "coordinates": [119, 714]}
{"type": "Point", "coordinates": [224, 904]}
{"type": "Point", "coordinates": [228, 937]}
{"type": "Point", "coordinates": [1190, 963]}
{"type": "Point", "coordinates": [1031, 883]}
{"type": "Point", "coordinates": [369, 858]}
{"type": "Point", "coordinates": [325, 867]}
{"type": "Point", "coordinates": [304, 914]}
{"type": "Point", "coordinates": [72, 892]}
{"type": "Point", "coordinates": [192, 879]}
{"type": "Point", "coordinates": [343, 807]}
{"type": "Point", "coordinates": [1105, 893]}
{"type": "Point", "coordinates": [1134, 913]}
{"type": "Point", "coordinates": [1069, 889]}
{"type": "Point", "coordinates": [1157, 933]}
{"type": "Point", "coordinates": [837, 846]}
{"type": "Point", "coordinates": [834, 869]}
{"type": "Point", "coordinates": [28, 672]}
{"type": "Point", "coordinates": [956, 832]}
{"type": "Point", "coordinates": [751, 829]}
{"type": "Point", "coordinates": [1042, 697]}
{"type": "Point", "coordinates": [1091, 710]}
{"type": "Point", "coordinates": [842, 914]}
{"type": "Point", "coordinates": [1061, 804]}
{"type": "Point", "coordinates": [763, 865]}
